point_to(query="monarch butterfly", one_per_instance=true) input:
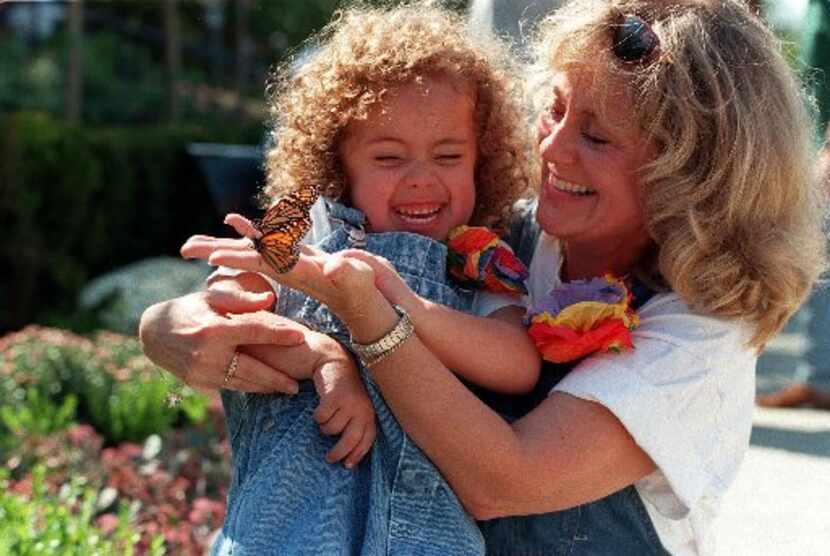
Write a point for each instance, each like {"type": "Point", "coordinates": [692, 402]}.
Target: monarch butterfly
{"type": "Point", "coordinates": [283, 227]}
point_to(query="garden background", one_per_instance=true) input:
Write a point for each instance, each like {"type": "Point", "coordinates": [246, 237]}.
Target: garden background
{"type": "Point", "coordinates": [125, 127]}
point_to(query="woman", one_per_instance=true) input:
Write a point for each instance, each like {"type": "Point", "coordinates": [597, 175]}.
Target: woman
{"type": "Point", "coordinates": [675, 151]}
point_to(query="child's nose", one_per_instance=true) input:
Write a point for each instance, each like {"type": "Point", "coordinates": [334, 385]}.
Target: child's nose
{"type": "Point", "coordinates": [419, 175]}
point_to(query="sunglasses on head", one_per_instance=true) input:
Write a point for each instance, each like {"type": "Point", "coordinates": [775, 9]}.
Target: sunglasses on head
{"type": "Point", "coordinates": [634, 39]}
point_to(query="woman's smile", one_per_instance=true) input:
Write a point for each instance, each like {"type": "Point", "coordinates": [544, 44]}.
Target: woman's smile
{"type": "Point", "coordinates": [570, 188]}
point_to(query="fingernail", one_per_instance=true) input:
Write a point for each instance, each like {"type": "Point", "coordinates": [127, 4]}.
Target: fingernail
{"type": "Point", "coordinates": [349, 465]}
{"type": "Point", "coordinates": [295, 389]}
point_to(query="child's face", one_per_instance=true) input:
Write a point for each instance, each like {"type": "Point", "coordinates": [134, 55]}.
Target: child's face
{"type": "Point", "coordinates": [410, 165]}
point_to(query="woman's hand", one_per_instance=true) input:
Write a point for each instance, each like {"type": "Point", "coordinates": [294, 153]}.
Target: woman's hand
{"type": "Point", "coordinates": [196, 342]}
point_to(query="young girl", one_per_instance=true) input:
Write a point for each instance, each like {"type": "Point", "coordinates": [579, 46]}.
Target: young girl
{"type": "Point", "coordinates": [411, 129]}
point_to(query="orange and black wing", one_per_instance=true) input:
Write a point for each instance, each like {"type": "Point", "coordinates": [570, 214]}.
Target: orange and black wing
{"type": "Point", "coordinates": [283, 227]}
{"type": "Point", "coordinates": [292, 207]}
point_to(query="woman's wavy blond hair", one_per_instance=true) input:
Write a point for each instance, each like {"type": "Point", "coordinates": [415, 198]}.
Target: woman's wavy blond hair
{"type": "Point", "coordinates": [729, 199]}
{"type": "Point", "coordinates": [363, 53]}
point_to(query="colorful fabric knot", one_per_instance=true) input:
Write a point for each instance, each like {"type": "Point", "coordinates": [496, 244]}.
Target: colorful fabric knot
{"type": "Point", "coordinates": [582, 317]}
{"type": "Point", "coordinates": [478, 259]}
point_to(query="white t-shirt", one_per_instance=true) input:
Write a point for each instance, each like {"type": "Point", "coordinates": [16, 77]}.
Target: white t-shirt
{"type": "Point", "coordinates": [686, 396]}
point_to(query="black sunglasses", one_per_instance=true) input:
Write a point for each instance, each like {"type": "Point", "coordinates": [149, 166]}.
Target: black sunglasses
{"type": "Point", "coordinates": [634, 40]}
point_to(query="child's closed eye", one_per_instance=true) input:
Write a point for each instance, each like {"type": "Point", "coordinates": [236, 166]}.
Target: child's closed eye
{"type": "Point", "coordinates": [448, 158]}
{"type": "Point", "coordinates": [388, 159]}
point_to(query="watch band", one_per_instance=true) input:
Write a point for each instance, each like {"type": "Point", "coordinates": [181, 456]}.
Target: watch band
{"type": "Point", "coordinates": [373, 353]}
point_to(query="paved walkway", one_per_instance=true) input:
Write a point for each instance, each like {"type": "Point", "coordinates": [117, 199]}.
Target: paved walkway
{"type": "Point", "coordinates": [780, 504]}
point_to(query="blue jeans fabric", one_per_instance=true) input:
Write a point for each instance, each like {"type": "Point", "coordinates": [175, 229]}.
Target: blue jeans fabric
{"type": "Point", "coordinates": [617, 525]}
{"type": "Point", "coordinates": [285, 499]}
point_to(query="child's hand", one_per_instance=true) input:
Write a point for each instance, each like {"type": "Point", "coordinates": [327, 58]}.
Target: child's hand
{"type": "Point", "coordinates": [387, 280]}
{"type": "Point", "coordinates": [338, 281]}
{"type": "Point", "coordinates": [345, 409]}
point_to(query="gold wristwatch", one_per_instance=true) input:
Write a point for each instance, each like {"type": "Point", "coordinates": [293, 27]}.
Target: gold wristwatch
{"type": "Point", "coordinates": [371, 354]}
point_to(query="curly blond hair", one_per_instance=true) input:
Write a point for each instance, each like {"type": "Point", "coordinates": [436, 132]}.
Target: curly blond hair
{"type": "Point", "coordinates": [729, 199]}
{"type": "Point", "coordinates": [363, 53]}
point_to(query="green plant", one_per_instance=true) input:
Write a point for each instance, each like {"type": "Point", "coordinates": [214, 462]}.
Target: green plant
{"type": "Point", "coordinates": [128, 410]}
{"type": "Point", "coordinates": [41, 523]}
{"type": "Point", "coordinates": [174, 485]}
{"type": "Point", "coordinates": [117, 390]}
{"type": "Point", "coordinates": [38, 414]}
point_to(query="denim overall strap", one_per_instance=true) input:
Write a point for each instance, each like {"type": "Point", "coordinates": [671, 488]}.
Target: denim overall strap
{"type": "Point", "coordinates": [285, 499]}
{"type": "Point", "coordinates": [340, 213]}
{"type": "Point", "coordinates": [523, 230]}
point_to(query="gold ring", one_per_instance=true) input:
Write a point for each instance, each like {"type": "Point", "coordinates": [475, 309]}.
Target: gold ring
{"type": "Point", "coordinates": [232, 366]}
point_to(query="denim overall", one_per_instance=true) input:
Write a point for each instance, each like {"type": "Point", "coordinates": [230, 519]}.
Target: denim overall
{"type": "Point", "coordinates": [286, 499]}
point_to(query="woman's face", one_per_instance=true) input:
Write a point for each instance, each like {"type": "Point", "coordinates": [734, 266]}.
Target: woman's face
{"type": "Point", "coordinates": [590, 157]}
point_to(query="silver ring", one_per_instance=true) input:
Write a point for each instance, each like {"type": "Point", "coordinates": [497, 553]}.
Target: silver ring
{"type": "Point", "coordinates": [232, 366]}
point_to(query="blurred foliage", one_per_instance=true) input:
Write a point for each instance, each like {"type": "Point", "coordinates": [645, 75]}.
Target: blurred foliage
{"type": "Point", "coordinates": [78, 201]}
{"type": "Point", "coordinates": [124, 64]}
{"type": "Point", "coordinates": [164, 496]}
{"type": "Point", "coordinates": [41, 522]}
{"type": "Point", "coordinates": [49, 378]}
{"type": "Point", "coordinates": [117, 299]}
{"type": "Point", "coordinates": [93, 458]}
{"type": "Point", "coordinates": [36, 414]}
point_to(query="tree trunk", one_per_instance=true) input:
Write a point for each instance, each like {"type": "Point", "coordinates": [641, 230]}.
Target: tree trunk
{"type": "Point", "coordinates": [172, 53]}
{"type": "Point", "coordinates": [75, 69]}
{"type": "Point", "coordinates": [243, 50]}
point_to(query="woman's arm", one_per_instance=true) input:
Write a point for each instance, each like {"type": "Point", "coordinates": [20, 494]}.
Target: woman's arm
{"type": "Point", "coordinates": [566, 452]}
{"type": "Point", "coordinates": [473, 347]}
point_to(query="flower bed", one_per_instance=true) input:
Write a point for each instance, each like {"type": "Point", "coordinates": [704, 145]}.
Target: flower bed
{"type": "Point", "coordinates": [115, 469]}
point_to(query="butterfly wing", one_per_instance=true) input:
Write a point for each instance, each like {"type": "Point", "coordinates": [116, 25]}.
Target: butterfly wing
{"type": "Point", "coordinates": [292, 207]}
{"type": "Point", "coordinates": [281, 247]}
{"type": "Point", "coordinates": [283, 227]}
